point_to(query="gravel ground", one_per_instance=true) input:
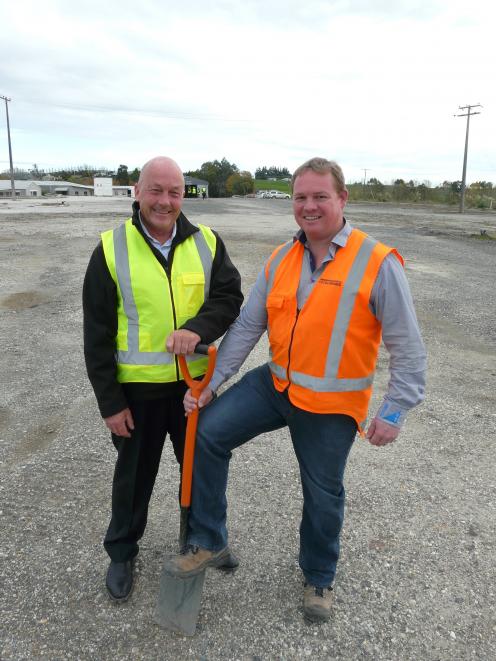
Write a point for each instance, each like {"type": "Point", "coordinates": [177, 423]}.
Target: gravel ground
{"type": "Point", "coordinates": [416, 576]}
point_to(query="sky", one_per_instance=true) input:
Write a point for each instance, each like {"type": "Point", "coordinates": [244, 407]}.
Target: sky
{"type": "Point", "coordinates": [372, 84]}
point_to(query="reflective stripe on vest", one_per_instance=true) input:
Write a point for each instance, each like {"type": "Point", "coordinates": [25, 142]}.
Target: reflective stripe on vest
{"type": "Point", "coordinates": [275, 261]}
{"type": "Point", "coordinates": [117, 254]}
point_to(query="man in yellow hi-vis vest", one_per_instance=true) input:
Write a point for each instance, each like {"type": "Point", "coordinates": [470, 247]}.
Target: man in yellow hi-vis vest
{"type": "Point", "coordinates": [155, 287]}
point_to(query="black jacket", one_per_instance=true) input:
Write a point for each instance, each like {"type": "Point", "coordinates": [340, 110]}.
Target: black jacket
{"type": "Point", "coordinates": [100, 319]}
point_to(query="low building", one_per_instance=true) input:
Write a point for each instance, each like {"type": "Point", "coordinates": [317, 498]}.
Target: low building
{"type": "Point", "coordinates": [22, 188]}
{"type": "Point", "coordinates": [103, 188]}
{"type": "Point", "coordinates": [64, 188]}
{"type": "Point", "coordinates": [194, 187]}
{"type": "Point", "coordinates": [123, 191]}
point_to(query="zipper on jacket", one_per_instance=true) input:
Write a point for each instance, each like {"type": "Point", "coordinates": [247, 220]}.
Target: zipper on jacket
{"type": "Point", "coordinates": [289, 349]}
{"type": "Point", "coordinates": [168, 274]}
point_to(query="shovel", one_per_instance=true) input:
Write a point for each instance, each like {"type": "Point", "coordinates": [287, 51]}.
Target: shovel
{"type": "Point", "coordinates": [179, 599]}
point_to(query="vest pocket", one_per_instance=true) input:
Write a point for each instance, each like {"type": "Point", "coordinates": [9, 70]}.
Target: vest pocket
{"type": "Point", "coordinates": [191, 288]}
{"type": "Point", "coordinates": [274, 301]}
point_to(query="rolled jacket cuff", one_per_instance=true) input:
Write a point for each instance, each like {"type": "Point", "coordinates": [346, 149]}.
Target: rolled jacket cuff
{"type": "Point", "coordinates": [392, 414]}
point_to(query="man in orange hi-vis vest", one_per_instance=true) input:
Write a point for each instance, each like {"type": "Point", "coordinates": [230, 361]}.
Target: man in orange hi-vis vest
{"type": "Point", "coordinates": [326, 298]}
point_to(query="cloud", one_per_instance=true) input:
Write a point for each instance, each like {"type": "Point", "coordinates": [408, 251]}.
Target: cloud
{"type": "Point", "coordinates": [373, 83]}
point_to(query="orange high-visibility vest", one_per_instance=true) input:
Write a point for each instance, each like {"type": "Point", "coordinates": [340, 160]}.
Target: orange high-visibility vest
{"type": "Point", "coordinates": [325, 354]}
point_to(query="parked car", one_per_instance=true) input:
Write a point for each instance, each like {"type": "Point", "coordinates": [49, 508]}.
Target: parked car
{"type": "Point", "coordinates": [272, 194]}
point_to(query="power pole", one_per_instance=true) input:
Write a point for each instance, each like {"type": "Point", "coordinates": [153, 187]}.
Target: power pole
{"type": "Point", "coordinates": [468, 114]}
{"type": "Point", "coordinates": [365, 177]}
{"type": "Point", "coordinates": [6, 99]}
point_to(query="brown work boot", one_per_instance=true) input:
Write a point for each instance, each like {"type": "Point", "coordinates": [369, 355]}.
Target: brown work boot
{"type": "Point", "coordinates": [317, 603]}
{"type": "Point", "coordinates": [194, 560]}
{"type": "Point", "coordinates": [230, 564]}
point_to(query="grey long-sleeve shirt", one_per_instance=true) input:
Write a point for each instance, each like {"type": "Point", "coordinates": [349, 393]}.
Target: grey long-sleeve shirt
{"type": "Point", "coordinates": [390, 302]}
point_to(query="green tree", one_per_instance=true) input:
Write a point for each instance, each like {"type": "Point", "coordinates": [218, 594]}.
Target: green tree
{"type": "Point", "coordinates": [240, 183]}
{"type": "Point", "coordinates": [80, 179]}
{"type": "Point", "coordinates": [122, 176]}
{"type": "Point", "coordinates": [482, 185]}
{"type": "Point", "coordinates": [400, 190]}
{"type": "Point", "coordinates": [216, 173]}
{"type": "Point", "coordinates": [375, 189]}
{"type": "Point", "coordinates": [423, 192]}
{"type": "Point", "coordinates": [134, 176]}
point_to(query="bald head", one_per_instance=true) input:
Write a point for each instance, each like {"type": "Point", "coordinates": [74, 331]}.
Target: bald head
{"type": "Point", "coordinates": [160, 165]}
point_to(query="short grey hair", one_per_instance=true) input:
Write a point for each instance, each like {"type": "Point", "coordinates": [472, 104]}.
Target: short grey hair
{"type": "Point", "coordinates": [322, 166]}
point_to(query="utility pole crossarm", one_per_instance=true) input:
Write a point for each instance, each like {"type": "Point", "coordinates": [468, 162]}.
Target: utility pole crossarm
{"type": "Point", "coordinates": [469, 107]}
{"type": "Point", "coordinates": [6, 99]}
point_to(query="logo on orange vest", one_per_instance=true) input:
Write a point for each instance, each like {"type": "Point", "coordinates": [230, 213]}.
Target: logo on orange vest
{"type": "Point", "coordinates": [326, 281]}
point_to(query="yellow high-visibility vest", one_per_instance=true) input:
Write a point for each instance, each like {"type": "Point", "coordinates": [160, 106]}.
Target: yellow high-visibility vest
{"type": "Point", "coordinates": [150, 306]}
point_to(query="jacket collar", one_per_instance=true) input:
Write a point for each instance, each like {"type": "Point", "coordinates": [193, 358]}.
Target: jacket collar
{"type": "Point", "coordinates": [339, 240]}
{"type": "Point", "coordinates": [184, 228]}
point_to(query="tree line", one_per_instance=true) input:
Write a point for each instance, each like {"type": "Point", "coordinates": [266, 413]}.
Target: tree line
{"type": "Point", "coordinates": [479, 194]}
{"type": "Point", "coordinates": [272, 172]}
{"type": "Point", "coordinates": [226, 179]}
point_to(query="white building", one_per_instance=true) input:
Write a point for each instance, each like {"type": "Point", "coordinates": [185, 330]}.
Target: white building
{"type": "Point", "coordinates": [22, 188]}
{"type": "Point", "coordinates": [103, 187]}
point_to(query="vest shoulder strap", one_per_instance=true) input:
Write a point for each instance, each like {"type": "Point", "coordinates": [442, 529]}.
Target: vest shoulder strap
{"type": "Point", "coordinates": [274, 260]}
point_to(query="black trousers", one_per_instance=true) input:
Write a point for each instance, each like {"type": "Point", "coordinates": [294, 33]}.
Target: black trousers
{"type": "Point", "coordinates": [138, 459]}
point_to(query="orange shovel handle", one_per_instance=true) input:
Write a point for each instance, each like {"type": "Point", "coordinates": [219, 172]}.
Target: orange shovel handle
{"type": "Point", "coordinates": [197, 388]}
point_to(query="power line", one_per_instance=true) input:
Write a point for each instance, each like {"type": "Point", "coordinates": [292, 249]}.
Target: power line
{"type": "Point", "coordinates": [153, 112]}
{"type": "Point", "coordinates": [468, 114]}
{"type": "Point", "coordinates": [6, 99]}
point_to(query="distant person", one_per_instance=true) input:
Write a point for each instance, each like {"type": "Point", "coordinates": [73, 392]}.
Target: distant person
{"type": "Point", "coordinates": [155, 287]}
{"type": "Point", "coordinates": [326, 298]}
{"type": "Point", "coordinates": [204, 193]}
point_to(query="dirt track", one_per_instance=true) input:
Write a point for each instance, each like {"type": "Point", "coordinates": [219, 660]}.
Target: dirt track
{"type": "Point", "coordinates": [417, 575]}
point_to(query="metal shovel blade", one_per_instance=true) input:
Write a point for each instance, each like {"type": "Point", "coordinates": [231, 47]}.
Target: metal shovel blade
{"type": "Point", "coordinates": [179, 602]}
{"type": "Point", "coordinates": [179, 599]}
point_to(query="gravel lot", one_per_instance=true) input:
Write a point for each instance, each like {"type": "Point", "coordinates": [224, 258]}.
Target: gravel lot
{"type": "Point", "coordinates": [417, 574]}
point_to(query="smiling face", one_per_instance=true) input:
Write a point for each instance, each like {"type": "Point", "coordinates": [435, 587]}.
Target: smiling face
{"type": "Point", "coordinates": [317, 206]}
{"type": "Point", "coordinates": [159, 192]}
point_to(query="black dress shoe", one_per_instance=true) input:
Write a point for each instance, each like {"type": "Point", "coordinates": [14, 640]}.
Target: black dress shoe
{"type": "Point", "coordinates": [119, 580]}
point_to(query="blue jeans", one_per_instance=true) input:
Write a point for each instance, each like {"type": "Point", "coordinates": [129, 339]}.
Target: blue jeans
{"type": "Point", "coordinates": [321, 442]}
